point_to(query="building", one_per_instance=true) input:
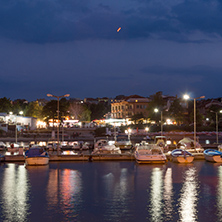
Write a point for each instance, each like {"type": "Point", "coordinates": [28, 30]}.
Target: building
{"type": "Point", "coordinates": [21, 122]}
{"type": "Point", "coordinates": [129, 107]}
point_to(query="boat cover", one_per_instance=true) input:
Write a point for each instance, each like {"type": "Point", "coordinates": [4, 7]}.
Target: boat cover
{"type": "Point", "coordinates": [33, 152]}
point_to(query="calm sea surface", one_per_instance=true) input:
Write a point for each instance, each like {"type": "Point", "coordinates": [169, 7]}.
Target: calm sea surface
{"type": "Point", "coordinates": [111, 191]}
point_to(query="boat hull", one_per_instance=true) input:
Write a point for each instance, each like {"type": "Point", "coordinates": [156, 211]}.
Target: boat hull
{"type": "Point", "coordinates": [214, 159]}
{"type": "Point", "coordinates": [150, 159]}
{"type": "Point", "coordinates": [37, 160]}
{"type": "Point", "coordinates": [182, 159]}
{"type": "Point", "coordinates": [214, 156]}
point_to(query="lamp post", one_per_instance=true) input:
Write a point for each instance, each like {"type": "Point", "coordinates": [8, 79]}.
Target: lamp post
{"type": "Point", "coordinates": [58, 97]}
{"type": "Point", "coordinates": [186, 97]}
{"type": "Point", "coordinates": [147, 129]}
{"type": "Point", "coordinates": [161, 119]}
{"type": "Point", "coordinates": [216, 113]}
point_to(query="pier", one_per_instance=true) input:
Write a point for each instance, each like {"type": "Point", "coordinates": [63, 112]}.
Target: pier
{"type": "Point", "coordinates": [90, 157]}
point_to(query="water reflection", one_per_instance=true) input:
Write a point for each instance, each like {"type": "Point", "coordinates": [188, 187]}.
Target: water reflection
{"type": "Point", "coordinates": [156, 194]}
{"type": "Point", "coordinates": [117, 190]}
{"type": "Point", "coordinates": [168, 193]}
{"type": "Point", "coordinates": [189, 196]}
{"type": "Point", "coordinates": [219, 193]}
{"type": "Point", "coordinates": [15, 193]}
{"type": "Point", "coordinates": [64, 189]}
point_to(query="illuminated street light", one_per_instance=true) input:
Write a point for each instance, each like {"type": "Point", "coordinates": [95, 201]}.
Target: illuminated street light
{"type": "Point", "coordinates": [21, 113]}
{"type": "Point", "coordinates": [58, 97]}
{"type": "Point", "coordinates": [186, 97]}
{"type": "Point", "coordinates": [161, 119]}
{"type": "Point", "coordinates": [128, 132]}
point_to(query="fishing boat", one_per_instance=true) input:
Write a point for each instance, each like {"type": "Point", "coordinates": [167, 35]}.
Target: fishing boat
{"type": "Point", "coordinates": [106, 147]}
{"type": "Point", "coordinates": [149, 153]}
{"type": "Point", "coordinates": [212, 155]}
{"type": "Point", "coordinates": [36, 156]}
{"type": "Point", "coordinates": [181, 156]}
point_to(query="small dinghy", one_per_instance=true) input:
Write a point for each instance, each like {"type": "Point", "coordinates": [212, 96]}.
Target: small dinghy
{"type": "Point", "coordinates": [212, 155]}
{"type": "Point", "coordinates": [181, 156]}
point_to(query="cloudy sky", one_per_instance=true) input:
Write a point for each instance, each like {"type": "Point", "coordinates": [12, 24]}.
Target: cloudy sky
{"type": "Point", "coordinates": [72, 46]}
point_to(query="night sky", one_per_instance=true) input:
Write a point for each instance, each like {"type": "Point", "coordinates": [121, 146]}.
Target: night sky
{"type": "Point", "coordinates": [72, 46]}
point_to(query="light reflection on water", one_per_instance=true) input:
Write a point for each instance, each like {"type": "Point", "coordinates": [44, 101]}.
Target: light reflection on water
{"type": "Point", "coordinates": [156, 195]}
{"type": "Point", "coordinates": [168, 194]}
{"type": "Point", "coordinates": [15, 193]}
{"type": "Point", "coordinates": [189, 196]}
{"type": "Point", "coordinates": [111, 191]}
{"type": "Point", "coordinates": [219, 194]}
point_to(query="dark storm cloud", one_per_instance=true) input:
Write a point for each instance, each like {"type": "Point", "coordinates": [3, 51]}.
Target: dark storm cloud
{"type": "Point", "coordinates": [60, 21]}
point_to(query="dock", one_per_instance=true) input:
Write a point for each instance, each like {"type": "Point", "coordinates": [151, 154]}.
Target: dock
{"type": "Point", "coordinates": [91, 157]}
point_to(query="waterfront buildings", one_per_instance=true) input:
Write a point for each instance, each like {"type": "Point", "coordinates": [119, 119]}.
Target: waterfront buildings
{"type": "Point", "coordinates": [129, 106]}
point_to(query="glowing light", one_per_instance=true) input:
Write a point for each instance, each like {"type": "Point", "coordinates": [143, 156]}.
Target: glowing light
{"type": "Point", "coordinates": [41, 124]}
{"type": "Point", "coordinates": [118, 29]}
{"type": "Point", "coordinates": [186, 97]}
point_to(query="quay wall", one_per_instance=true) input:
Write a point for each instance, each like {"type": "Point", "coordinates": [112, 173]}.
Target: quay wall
{"type": "Point", "coordinates": [94, 157]}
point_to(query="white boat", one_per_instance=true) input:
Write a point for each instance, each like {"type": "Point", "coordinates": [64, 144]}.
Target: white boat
{"type": "Point", "coordinates": [13, 148]}
{"type": "Point", "coordinates": [181, 156]}
{"type": "Point", "coordinates": [188, 144]}
{"type": "Point", "coordinates": [123, 142]}
{"type": "Point", "coordinates": [212, 155]}
{"type": "Point", "coordinates": [36, 156]}
{"type": "Point", "coordinates": [106, 147]}
{"type": "Point", "coordinates": [163, 141]}
{"type": "Point", "coordinates": [149, 153]}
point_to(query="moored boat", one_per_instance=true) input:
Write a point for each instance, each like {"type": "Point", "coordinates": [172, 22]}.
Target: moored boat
{"type": "Point", "coordinates": [36, 156]}
{"type": "Point", "coordinates": [181, 156]}
{"type": "Point", "coordinates": [106, 147]}
{"type": "Point", "coordinates": [212, 155]}
{"type": "Point", "coordinates": [13, 148]}
{"type": "Point", "coordinates": [149, 153]}
{"type": "Point", "coordinates": [2, 158]}
{"type": "Point", "coordinates": [188, 144]}
{"type": "Point", "coordinates": [2, 146]}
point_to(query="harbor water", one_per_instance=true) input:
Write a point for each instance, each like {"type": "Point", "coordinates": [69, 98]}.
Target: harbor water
{"type": "Point", "coordinates": [111, 191]}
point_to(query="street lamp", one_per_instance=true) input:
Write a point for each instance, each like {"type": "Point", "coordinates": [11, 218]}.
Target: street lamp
{"type": "Point", "coordinates": [216, 122]}
{"type": "Point", "coordinates": [186, 97]}
{"type": "Point", "coordinates": [161, 119]}
{"type": "Point", "coordinates": [128, 132]}
{"type": "Point", "coordinates": [58, 97]}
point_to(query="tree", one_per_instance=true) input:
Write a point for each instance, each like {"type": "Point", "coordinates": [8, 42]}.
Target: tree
{"type": "Point", "coordinates": [34, 110]}
{"type": "Point", "coordinates": [49, 111]}
{"type": "Point", "coordinates": [137, 118]}
{"type": "Point", "coordinates": [157, 102]}
{"type": "Point", "coordinates": [5, 105]}
{"type": "Point", "coordinates": [76, 110]}
{"type": "Point", "coordinates": [176, 111]}
{"type": "Point", "coordinates": [79, 111]}
{"type": "Point", "coordinates": [99, 110]}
